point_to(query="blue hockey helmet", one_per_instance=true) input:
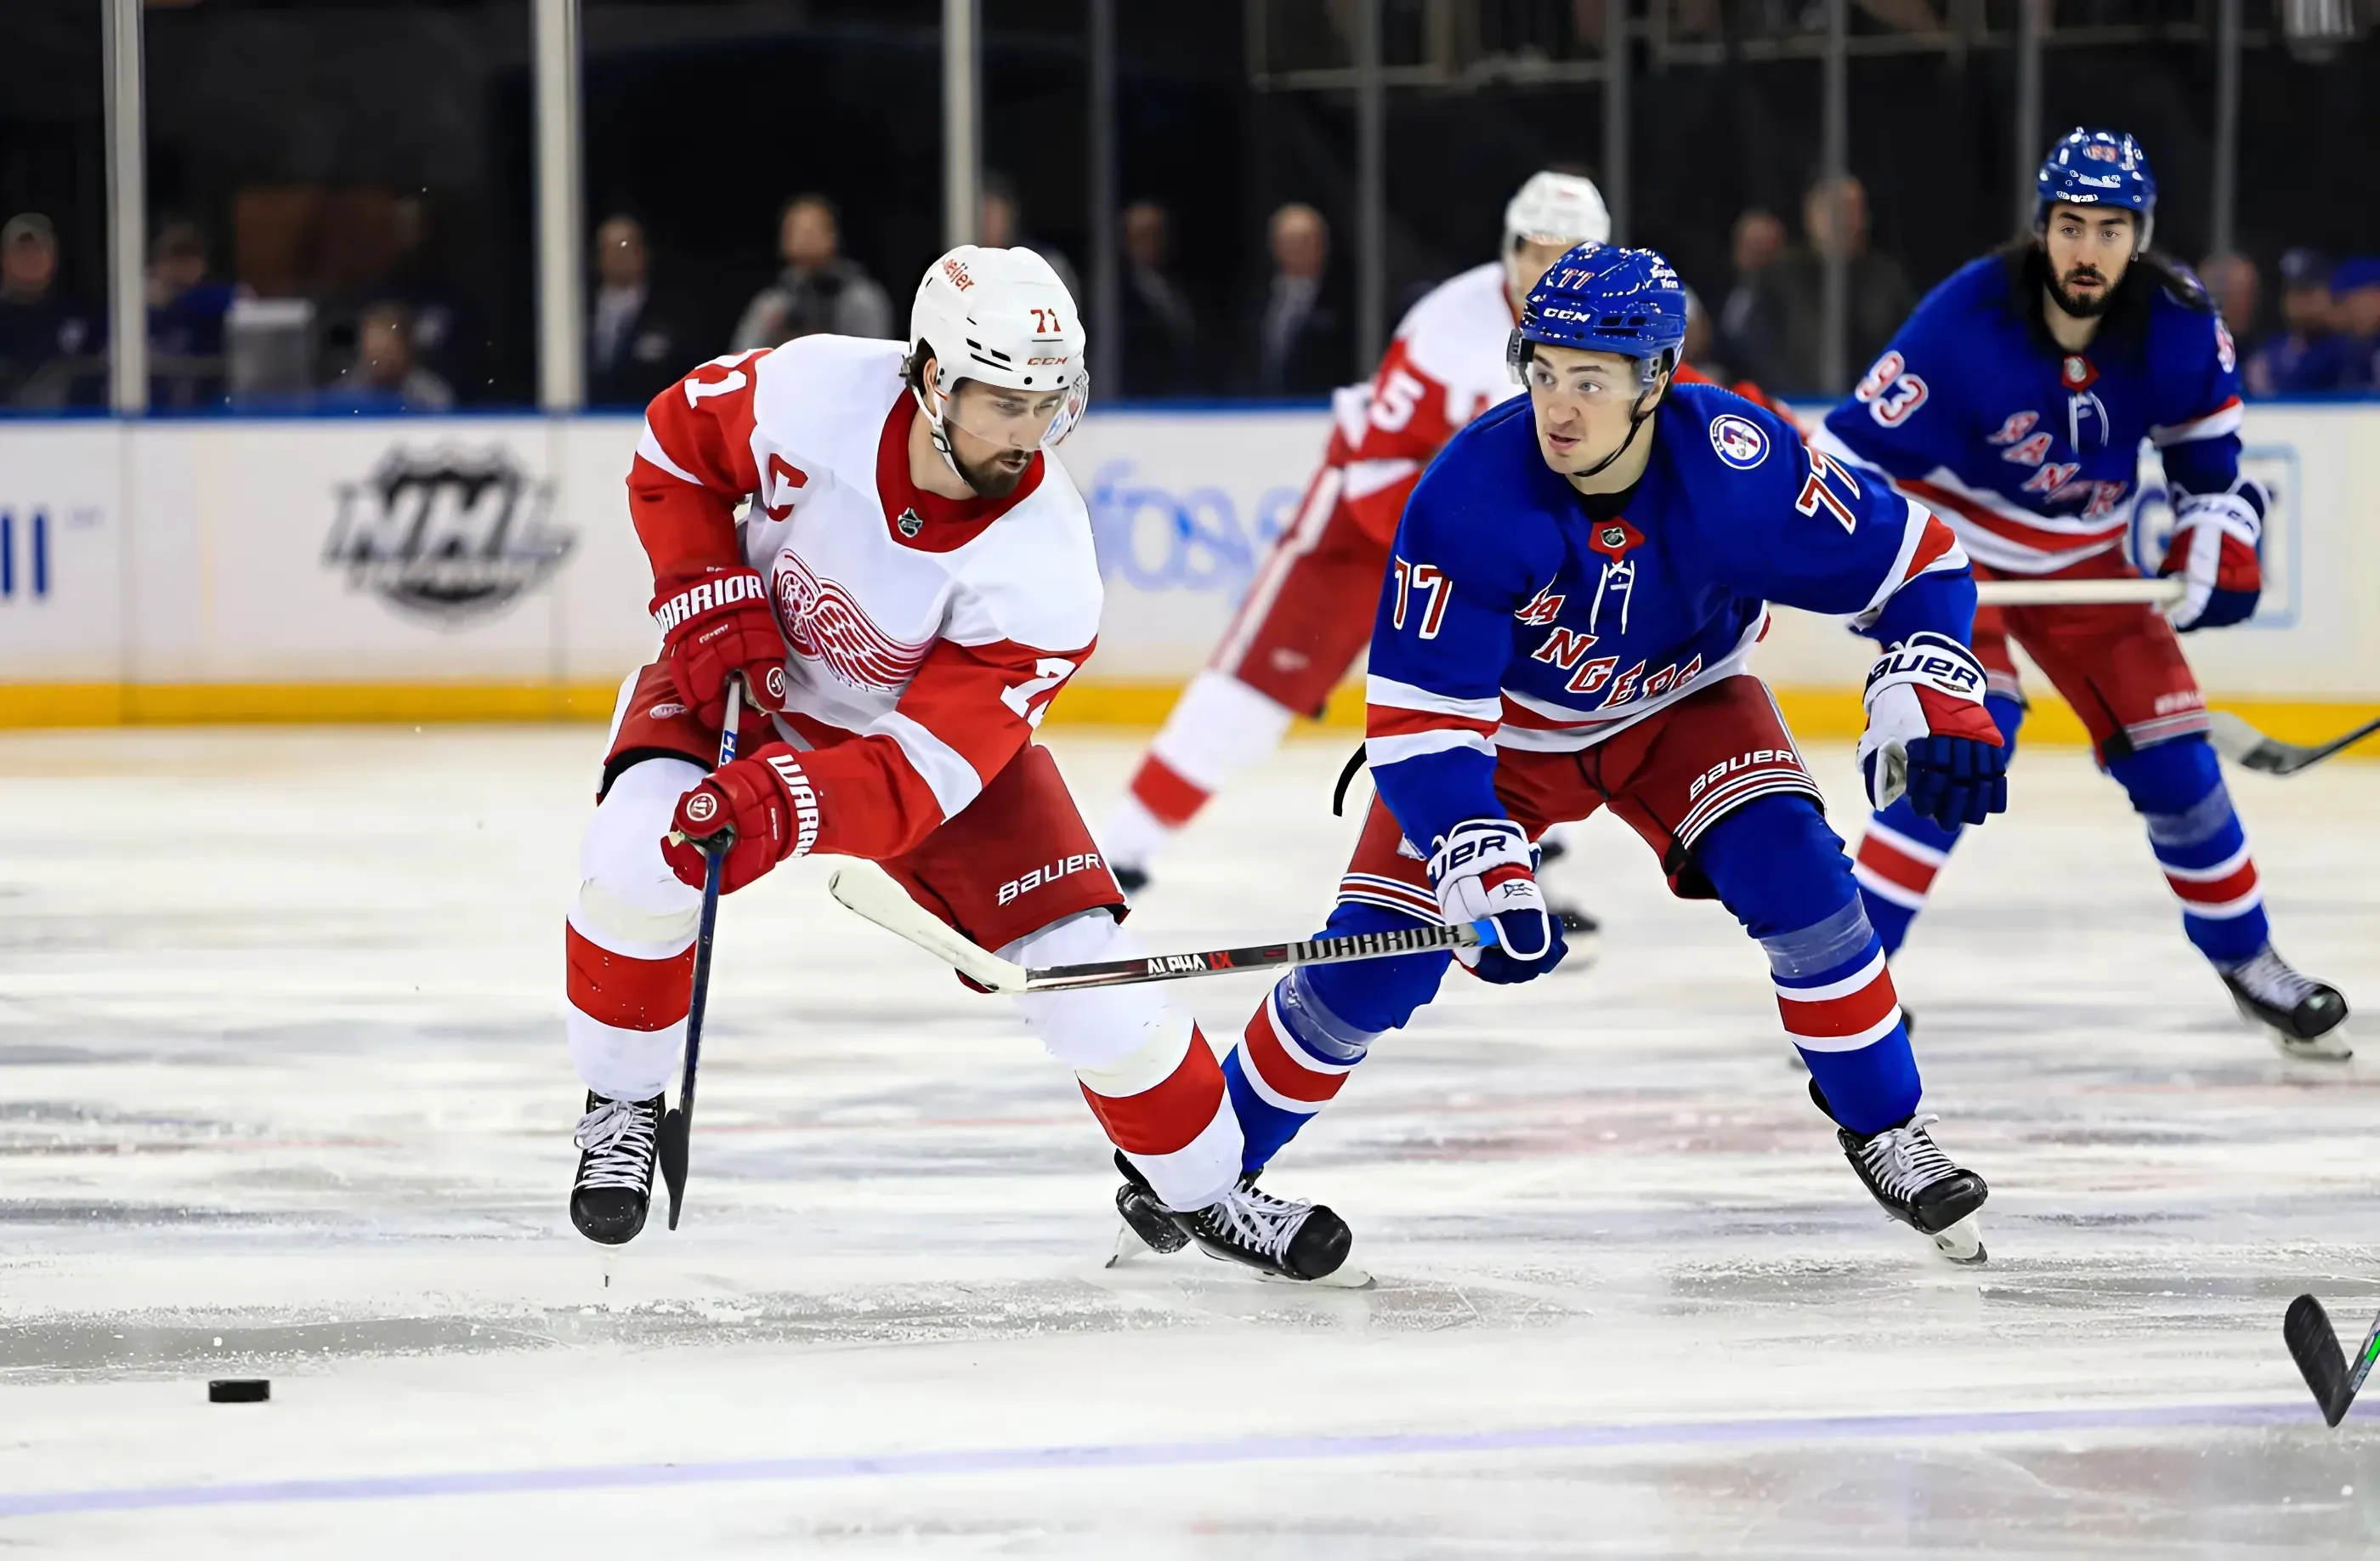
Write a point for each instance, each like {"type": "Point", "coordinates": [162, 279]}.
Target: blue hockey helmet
{"type": "Point", "coordinates": [1600, 297]}
{"type": "Point", "coordinates": [2098, 169]}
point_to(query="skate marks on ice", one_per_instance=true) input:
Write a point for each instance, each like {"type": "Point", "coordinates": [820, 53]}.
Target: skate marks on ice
{"type": "Point", "coordinates": [320, 1113]}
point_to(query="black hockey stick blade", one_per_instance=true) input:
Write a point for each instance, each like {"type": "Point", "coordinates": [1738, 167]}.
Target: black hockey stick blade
{"type": "Point", "coordinates": [2314, 1345]}
{"type": "Point", "coordinates": [2252, 750]}
{"type": "Point", "coordinates": [670, 1146]}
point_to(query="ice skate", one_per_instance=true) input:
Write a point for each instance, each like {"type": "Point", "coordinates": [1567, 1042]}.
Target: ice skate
{"type": "Point", "coordinates": [1916, 1183]}
{"type": "Point", "coordinates": [1298, 1242]}
{"type": "Point", "coordinates": [2303, 1015]}
{"type": "Point", "coordinates": [1147, 1224]}
{"type": "Point", "coordinates": [616, 1139]}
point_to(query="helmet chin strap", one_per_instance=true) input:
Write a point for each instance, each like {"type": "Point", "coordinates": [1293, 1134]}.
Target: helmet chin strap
{"type": "Point", "coordinates": [937, 431]}
{"type": "Point", "coordinates": [1637, 414]}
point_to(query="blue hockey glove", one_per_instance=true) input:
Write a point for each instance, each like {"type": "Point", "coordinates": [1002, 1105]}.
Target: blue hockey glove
{"type": "Point", "coordinates": [1928, 735]}
{"type": "Point", "coordinates": [1957, 780]}
{"type": "Point", "coordinates": [1485, 869]}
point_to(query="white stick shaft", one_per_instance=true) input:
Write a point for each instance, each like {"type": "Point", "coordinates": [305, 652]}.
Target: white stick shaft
{"type": "Point", "coordinates": [2078, 594]}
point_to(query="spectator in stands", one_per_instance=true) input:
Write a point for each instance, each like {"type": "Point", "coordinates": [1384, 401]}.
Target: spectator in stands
{"type": "Point", "coordinates": [818, 290]}
{"type": "Point", "coordinates": [2307, 353]}
{"type": "Point", "coordinates": [186, 320]}
{"type": "Point", "coordinates": [2355, 287]}
{"type": "Point", "coordinates": [1305, 338]}
{"type": "Point", "coordinates": [37, 326]}
{"type": "Point", "coordinates": [1160, 354]}
{"type": "Point", "coordinates": [1000, 224]}
{"type": "Point", "coordinates": [1788, 299]}
{"type": "Point", "coordinates": [2232, 282]}
{"type": "Point", "coordinates": [386, 377]}
{"type": "Point", "coordinates": [632, 351]}
{"type": "Point", "coordinates": [1757, 239]}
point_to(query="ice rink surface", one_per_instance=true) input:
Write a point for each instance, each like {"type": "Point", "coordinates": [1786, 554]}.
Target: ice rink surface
{"type": "Point", "coordinates": [282, 1093]}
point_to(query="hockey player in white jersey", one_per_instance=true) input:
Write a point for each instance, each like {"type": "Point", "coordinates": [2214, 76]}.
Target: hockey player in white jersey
{"type": "Point", "coordinates": [912, 584]}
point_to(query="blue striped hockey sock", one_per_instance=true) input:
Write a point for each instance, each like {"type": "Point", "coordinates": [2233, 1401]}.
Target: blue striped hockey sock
{"type": "Point", "coordinates": [2198, 841]}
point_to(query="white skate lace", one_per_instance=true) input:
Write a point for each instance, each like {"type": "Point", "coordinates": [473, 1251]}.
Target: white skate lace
{"type": "Point", "coordinates": [1259, 1222]}
{"type": "Point", "coordinates": [618, 1138]}
{"type": "Point", "coordinates": [2269, 979]}
{"type": "Point", "coordinates": [1904, 1161]}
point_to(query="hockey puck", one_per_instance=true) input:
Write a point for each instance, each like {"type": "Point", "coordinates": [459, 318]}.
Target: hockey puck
{"type": "Point", "coordinates": [238, 1390]}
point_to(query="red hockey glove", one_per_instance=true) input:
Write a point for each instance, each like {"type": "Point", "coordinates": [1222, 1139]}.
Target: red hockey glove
{"type": "Point", "coordinates": [2214, 548]}
{"type": "Point", "coordinates": [1484, 871]}
{"type": "Point", "coordinates": [716, 621]}
{"type": "Point", "coordinates": [1928, 735]}
{"type": "Point", "coordinates": [760, 810]}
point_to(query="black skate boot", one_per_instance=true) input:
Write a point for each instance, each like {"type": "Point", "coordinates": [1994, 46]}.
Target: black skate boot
{"type": "Point", "coordinates": [2303, 1014]}
{"type": "Point", "coordinates": [1908, 1175]}
{"type": "Point", "coordinates": [1299, 1241]}
{"type": "Point", "coordinates": [616, 1167]}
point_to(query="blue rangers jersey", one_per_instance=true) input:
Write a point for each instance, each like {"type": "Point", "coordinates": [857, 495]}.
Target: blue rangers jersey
{"type": "Point", "coordinates": [2032, 452]}
{"type": "Point", "coordinates": [1513, 617]}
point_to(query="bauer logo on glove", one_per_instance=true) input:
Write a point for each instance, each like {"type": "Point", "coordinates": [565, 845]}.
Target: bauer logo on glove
{"type": "Point", "coordinates": [1486, 871]}
{"type": "Point", "coordinates": [1928, 736]}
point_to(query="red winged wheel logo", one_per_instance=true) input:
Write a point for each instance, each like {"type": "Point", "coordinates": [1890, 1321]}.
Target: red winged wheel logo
{"type": "Point", "coordinates": [822, 622]}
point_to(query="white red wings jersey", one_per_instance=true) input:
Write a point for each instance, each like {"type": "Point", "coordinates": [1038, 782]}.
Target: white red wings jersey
{"type": "Point", "coordinates": [1444, 367]}
{"type": "Point", "coordinates": [925, 636]}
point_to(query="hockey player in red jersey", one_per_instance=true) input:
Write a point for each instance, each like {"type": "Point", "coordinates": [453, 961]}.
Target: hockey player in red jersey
{"type": "Point", "coordinates": [911, 585]}
{"type": "Point", "coordinates": [1308, 614]}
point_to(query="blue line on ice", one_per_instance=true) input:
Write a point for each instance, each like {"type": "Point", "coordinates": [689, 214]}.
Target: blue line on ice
{"type": "Point", "coordinates": [1159, 1455]}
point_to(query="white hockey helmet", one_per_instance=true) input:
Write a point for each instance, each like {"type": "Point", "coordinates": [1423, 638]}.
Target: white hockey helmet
{"type": "Point", "coordinates": [1560, 207]}
{"type": "Point", "coordinates": [1002, 317]}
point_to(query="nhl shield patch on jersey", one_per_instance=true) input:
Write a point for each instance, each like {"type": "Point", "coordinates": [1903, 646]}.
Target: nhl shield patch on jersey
{"type": "Point", "coordinates": [1738, 441]}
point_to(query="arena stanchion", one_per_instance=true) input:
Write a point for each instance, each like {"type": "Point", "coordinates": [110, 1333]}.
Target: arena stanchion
{"type": "Point", "coordinates": [677, 1125]}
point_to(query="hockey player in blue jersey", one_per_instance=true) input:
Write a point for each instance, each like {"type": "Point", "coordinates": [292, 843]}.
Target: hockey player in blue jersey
{"type": "Point", "coordinates": [1575, 585]}
{"type": "Point", "coordinates": [2015, 402]}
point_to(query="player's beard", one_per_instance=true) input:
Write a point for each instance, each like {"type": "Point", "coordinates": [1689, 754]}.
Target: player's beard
{"type": "Point", "coordinates": [2086, 307]}
{"type": "Point", "coordinates": [993, 478]}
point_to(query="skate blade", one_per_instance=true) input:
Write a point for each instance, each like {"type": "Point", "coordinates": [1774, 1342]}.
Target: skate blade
{"type": "Point", "coordinates": [1347, 1277]}
{"type": "Point", "coordinates": [1130, 1248]}
{"type": "Point", "coordinates": [2331, 1045]}
{"type": "Point", "coordinates": [1961, 1241]}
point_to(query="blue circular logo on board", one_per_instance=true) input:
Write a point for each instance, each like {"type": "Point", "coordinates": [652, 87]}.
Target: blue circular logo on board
{"type": "Point", "coordinates": [1738, 441]}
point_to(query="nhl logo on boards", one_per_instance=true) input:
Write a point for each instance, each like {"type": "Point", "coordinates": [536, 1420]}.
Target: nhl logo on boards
{"type": "Point", "coordinates": [911, 523]}
{"type": "Point", "coordinates": [450, 534]}
{"type": "Point", "coordinates": [1738, 441]}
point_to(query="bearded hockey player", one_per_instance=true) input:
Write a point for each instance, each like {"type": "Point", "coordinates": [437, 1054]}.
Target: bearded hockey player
{"type": "Point", "coordinates": [2015, 401]}
{"type": "Point", "coordinates": [1306, 616]}
{"type": "Point", "coordinates": [1575, 585]}
{"type": "Point", "coordinates": [912, 584]}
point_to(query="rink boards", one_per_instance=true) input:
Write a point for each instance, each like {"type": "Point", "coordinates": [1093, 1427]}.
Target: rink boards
{"type": "Point", "coordinates": [437, 568]}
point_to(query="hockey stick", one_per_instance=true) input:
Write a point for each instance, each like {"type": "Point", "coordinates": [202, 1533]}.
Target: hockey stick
{"type": "Point", "coordinates": [678, 1126]}
{"type": "Point", "coordinates": [2313, 1343]}
{"type": "Point", "coordinates": [2160, 592]}
{"type": "Point", "coordinates": [866, 889]}
{"type": "Point", "coordinates": [2250, 749]}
